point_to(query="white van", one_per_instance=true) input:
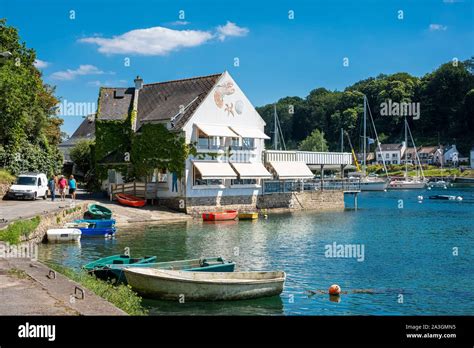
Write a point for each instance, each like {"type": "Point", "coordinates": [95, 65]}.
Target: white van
{"type": "Point", "coordinates": [29, 185]}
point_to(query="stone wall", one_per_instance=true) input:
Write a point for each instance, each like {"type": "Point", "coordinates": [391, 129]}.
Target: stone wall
{"type": "Point", "coordinates": [3, 190]}
{"type": "Point", "coordinates": [198, 205]}
{"type": "Point", "coordinates": [55, 219]}
{"type": "Point", "coordinates": [315, 200]}
{"type": "Point", "coordinates": [173, 203]}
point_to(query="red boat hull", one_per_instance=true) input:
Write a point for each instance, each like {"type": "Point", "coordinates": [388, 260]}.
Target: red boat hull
{"type": "Point", "coordinates": [130, 200]}
{"type": "Point", "coordinates": [220, 216]}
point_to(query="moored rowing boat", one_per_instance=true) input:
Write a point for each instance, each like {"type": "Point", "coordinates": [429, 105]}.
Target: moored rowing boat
{"type": "Point", "coordinates": [204, 286]}
{"type": "Point", "coordinates": [131, 201]}
{"type": "Point", "coordinates": [220, 215]}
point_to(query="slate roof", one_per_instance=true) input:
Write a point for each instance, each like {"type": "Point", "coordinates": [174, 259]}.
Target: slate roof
{"type": "Point", "coordinates": [113, 107]}
{"type": "Point", "coordinates": [390, 147]}
{"type": "Point", "coordinates": [86, 130]}
{"type": "Point", "coordinates": [159, 102]}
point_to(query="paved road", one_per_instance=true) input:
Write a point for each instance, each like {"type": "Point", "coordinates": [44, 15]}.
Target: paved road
{"type": "Point", "coordinates": [11, 210]}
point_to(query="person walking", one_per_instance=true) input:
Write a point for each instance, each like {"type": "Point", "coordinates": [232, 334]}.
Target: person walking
{"type": "Point", "coordinates": [72, 187]}
{"type": "Point", "coordinates": [62, 187]}
{"type": "Point", "coordinates": [52, 187]}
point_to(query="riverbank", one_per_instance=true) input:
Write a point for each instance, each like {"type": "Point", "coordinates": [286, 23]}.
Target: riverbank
{"type": "Point", "coordinates": [31, 288]}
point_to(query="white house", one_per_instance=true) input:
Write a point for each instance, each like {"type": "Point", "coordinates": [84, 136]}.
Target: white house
{"type": "Point", "coordinates": [451, 155]}
{"type": "Point", "coordinates": [472, 158]}
{"type": "Point", "coordinates": [213, 113]}
{"type": "Point", "coordinates": [390, 153]}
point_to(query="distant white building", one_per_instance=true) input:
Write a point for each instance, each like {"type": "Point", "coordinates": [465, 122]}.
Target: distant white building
{"type": "Point", "coordinates": [390, 153]}
{"type": "Point", "coordinates": [472, 158]}
{"type": "Point", "coordinates": [451, 155]}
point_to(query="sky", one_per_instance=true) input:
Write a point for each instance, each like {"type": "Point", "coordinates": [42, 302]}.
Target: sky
{"type": "Point", "coordinates": [273, 49]}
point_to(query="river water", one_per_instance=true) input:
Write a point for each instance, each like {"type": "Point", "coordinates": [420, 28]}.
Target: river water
{"type": "Point", "coordinates": [417, 258]}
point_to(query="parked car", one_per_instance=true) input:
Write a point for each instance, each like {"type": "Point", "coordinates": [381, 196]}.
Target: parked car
{"type": "Point", "coordinates": [29, 185]}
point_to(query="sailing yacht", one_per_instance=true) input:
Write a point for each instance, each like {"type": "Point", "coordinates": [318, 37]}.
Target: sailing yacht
{"type": "Point", "coordinates": [368, 183]}
{"type": "Point", "coordinates": [409, 183]}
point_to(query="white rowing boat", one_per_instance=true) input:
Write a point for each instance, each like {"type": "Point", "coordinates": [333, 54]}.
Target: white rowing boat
{"type": "Point", "coordinates": [64, 235]}
{"type": "Point", "coordinates": [204, 286]}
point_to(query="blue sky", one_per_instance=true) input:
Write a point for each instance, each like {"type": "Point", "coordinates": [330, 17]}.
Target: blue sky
{"type": "Point", "coordinates": [278, 56]}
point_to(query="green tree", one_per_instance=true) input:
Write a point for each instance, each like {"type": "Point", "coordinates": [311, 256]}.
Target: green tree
{"type": "Point", "coordinates": [28, 127]}
{"type": "Point", "coordinates": [81, 155]}
{"type": "Point", "coordinates": [314, 142]}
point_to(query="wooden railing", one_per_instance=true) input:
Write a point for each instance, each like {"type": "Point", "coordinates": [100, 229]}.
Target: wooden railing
{"type": "Point", "coordinates": [138, 189]}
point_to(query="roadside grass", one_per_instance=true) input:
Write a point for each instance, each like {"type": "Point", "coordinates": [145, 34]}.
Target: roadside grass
{"type": "Point", "coordinates": [6, 177]}
{"type": "Point", "coordinates": [121, 296]}
{"type": "Point", "coordinates": [18, 273]}
{"type": "Point", "coordinates": [13, 232]}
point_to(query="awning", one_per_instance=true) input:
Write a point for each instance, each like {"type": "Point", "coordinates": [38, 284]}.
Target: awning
{"type": "Point", "coordinates": [292, 170]}
{"type": "Point", "coordinates": [250, 132]}
{"type": "Point", "coordinates": [213, 130]}
{"type": "Point", "coordinates": [251, 171]}
{"type": "Point", "coordinates": [215, 170]}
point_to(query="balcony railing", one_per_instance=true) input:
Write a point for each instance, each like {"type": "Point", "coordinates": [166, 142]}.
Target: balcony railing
{"type": "Point", "coordinates": [308, 157]}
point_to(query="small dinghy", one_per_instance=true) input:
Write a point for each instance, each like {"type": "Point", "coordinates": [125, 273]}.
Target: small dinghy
{"type": "Point", "coordinates": [220, 216]}
{"type": "Point", "coordinates": [248, 216]}
{"type": "Point", "coordinates": [447, 197]}
{"type": "Point", "coordinates": [98, 212]}
{"type": "Point", "coordinates": [130, 200]}
{"type": "Point", "coordinates": [94, 228]}
{"type": "Point", "coordinates": [103, 268]}
{"type": "Point", "coordinates": [204, 286]}
{"type": "Point", "coordinates": [63, 235]}
{"type": "Point", "coordinates": [210, 264]}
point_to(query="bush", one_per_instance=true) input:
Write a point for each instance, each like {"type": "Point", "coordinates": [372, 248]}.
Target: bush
{"type": "Point", "coordinates": [6, 177]}
{"type": "Point", "coordinates": [15, 230]}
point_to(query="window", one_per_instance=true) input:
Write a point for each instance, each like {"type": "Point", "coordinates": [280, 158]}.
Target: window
{"type": "Point", "coordinates": [394, 155]}
{"type": "Point", "coordinates": [243, 182]}
{"type": "Point", "coordinates": [205, 142]}
{"type": "Point", "coordinates": [199, 181]}
{"type": "Point", "coordinates": [248, 143]}
{"type": "Point", "coordinates": [387, 155]}
{"type": "Point", "coordinates": [159, 175]}
{"type": "Point", "coordinates": [379, 155]}
{"type": "Point", "coordinates": [234, 143]}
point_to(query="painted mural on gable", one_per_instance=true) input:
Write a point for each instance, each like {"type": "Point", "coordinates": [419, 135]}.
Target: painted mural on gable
{"type": "Point", "coordinates": [223, 99]}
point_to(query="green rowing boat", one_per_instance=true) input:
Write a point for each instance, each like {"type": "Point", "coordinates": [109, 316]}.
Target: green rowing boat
{"type": "Point", "coordinates": [98, 212]}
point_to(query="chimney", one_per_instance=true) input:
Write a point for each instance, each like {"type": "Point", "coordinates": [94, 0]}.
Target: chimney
{"type": "Point", "coordinates": [138, 83]}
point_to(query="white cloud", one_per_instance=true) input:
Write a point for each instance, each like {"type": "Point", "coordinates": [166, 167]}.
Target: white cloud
{"type": "Point", "coordinates": [230, 29]}
{"type": "Point", "coordinates": [40, 64]}
{"type": "Point", "coordinates": [70, 74]}
{"type": "Point", "coordinates": [159, 41]}
{"type": "Point", "coordinates": [438, 27]}
{"type": "Point", "coordinates": [179, 23]}
{"type": "Point", "coordinates": [156, 41]}
{"type": "Point", "coordinates": [108, 83]}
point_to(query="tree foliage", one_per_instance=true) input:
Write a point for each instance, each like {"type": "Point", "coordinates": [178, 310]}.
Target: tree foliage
{"type": "Point", "coordinates": [29, 129]}
{"type": "Point", "coordinates": [314, 142]}
{"type": "Point", "coordinates": [446, 98]}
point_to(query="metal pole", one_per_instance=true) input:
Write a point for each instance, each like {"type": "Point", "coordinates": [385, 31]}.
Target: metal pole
{"type": "Point", "coordinates": [365, 136]}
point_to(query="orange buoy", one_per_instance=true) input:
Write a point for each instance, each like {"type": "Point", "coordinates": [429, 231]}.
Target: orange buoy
{"type": "Point", "coordinates": [334, 290]}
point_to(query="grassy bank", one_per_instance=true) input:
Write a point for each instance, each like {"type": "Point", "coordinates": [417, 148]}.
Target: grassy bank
{"type": "Point", "coordinates": [15, 230]}
{"type": "Point", "coordinates": [121, 296]}
{"type": "Point", "coordinates": [6, 177]}
{"type": "Point", "coordinates": [429, 171]}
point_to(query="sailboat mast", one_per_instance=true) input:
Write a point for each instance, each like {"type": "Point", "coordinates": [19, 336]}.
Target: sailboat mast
{"type": "Point", "coordinates": [275, 128]}
{"type": "Point", "coordinates": [406, 148]}
{"type": "Point", "coordinates": [365, 138]}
